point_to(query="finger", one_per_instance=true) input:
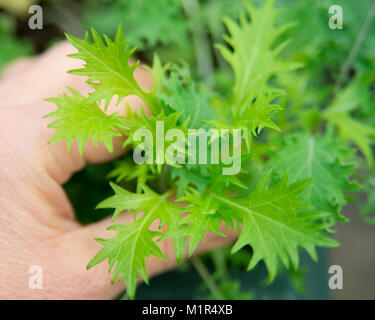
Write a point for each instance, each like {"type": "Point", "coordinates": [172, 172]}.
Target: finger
{"type": "Point", "coordinates": [46, 77]}
{"type": "Point", "coordinates": [17, 67]}
{"type": "Point", "coordinates": [79, 248]}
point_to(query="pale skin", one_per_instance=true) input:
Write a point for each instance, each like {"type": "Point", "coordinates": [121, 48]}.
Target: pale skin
{"type": "Point", "coordinates": [37, 221]}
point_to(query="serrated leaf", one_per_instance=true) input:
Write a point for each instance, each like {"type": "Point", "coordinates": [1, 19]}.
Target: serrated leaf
{"type": "Point", "coordinates": [253, 57]}
{"type": "Point", "coordinates": [275, 222]}
{"type": "Point", "coordinates": [158, 73]}
{"type": "Point", "coordinates": [163, 150]}
{"type": "Point", "coordinates": [126, 170]}
{"type": "Point", "coordinates": [187, 98]}
{"type": "Point", "coordinates": [128, 250]}
{"type": "Point", "coordinates": [78, 119]}
{"type": "Point", "coordinates": [320, 158]}
{"type": "Point", "coordinates": [254, 117]}
{"type": "Point", "coordinates": [339, 114]}
{"type": "Point", "coordinates": [186, 176]}
{"type": "Point", "coordinates": [107, 68]}
{"type": "Point", "coordinates": [202, 217]}
{"type": "Point", "coordinates": [162, 21]}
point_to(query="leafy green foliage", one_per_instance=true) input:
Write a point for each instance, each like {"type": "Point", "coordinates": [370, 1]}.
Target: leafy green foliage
{"type": "Point", "coordinates": [128, 250]}
{"type": "Point", "coordinates": [255, 117]}
{"type": "Point", "coordinates": [275, 221]}
{"type": "Point", "coordinates": [125, 171]}
{"type": "Point", "coordinates": [186, 176]}
{"type": "Point", "coordinates": [182, 95]}
{"type": "Point", "coordinates": [338, 113]}
{"type": "Point", "coordinates": [203, 217]}
{"type": "Point", "coordinates": [318, 157]}
{"type": "Point", "coordinates": [334, 46]}
{"type": "Point", "coordinates": [78, 118]}
{"type": "Point", "coordinates": [162, 21]}
{"type": "Point", "coordinates": [158, 126]}
{"type": "Point", "coordinates": [255, 60]}
{"type": "Point", "coordinates": [107, 67]}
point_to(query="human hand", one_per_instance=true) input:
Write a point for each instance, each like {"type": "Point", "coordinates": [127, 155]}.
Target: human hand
{"type": "Point", "coordinates": [37, 225]}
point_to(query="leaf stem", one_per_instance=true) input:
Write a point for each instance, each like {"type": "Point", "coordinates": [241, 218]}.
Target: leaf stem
{"type": "Point", "coordinates": [355, 49]}
{"type": "Point", "coordinates": [207, 278]}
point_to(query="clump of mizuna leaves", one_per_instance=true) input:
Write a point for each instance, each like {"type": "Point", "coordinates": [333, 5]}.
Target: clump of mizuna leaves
{"type": "Point", "coordinates": [294, 178]}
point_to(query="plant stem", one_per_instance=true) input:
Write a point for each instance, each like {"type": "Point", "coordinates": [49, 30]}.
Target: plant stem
{"type": "Point", "coordinates": [201, 41]}
{"type": "Point", "coordinates": [218, 258]}
{"type": "Point", "coordinates": [161, 182]}
{"type": "Point", "coordinates": [207, 278]}
{"type": "Point", "coordinates": [355, 49]}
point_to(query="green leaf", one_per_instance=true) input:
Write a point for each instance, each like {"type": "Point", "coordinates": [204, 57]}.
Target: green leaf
{"type": "Point", "coordinates": [356, 131]}
{"type": "Point", "coordinates": [183, 95]}
{"type": "Point", "coordinates": [107, 68]}
{"type": "Point", "coordinates": [186, 176]}
{"type": "Point", "coordinates": [158, 74]}
{"type": "Point", "coordinates": [158, 126]}
{"type": "Point", "coordinates": [339, 114]}
{"type": "Point", "coordinates": [320, 158]}
{"type": "Point", "coordinates": [129, 249]}
{"type": "Point", "coordinates": [255, 117]}
{"type": "Point", "coordinates": [162, 21]}
{"type": "Point", "coordinates": [127, 170]}
{"type": "Point", "coordinates": [275, 222]}
{"type": "Point", "coordinates": [202, 217]}
{"type": "Point", "coordinates": [254, 56]}
{"type": "Point", "coordinates": [127, 252]}
{"type": "Point", "coordinates": [78, 119]}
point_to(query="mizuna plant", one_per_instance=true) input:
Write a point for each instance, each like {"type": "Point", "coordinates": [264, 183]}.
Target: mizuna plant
{"type": "Point", "coordinates": [292, 185]}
